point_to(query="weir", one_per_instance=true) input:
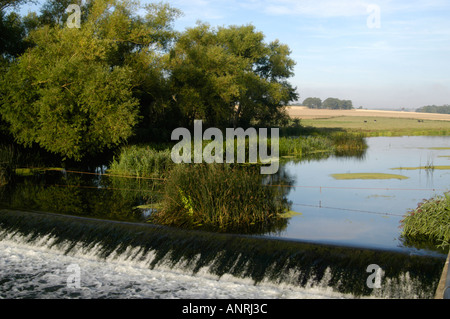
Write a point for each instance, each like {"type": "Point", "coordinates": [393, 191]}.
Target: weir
{"type": "Point", "coordinates": [256, 259]}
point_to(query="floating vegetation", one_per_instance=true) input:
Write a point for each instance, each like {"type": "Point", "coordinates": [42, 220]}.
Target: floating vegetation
{"type": "Point", "coordinates": [31, 171]}
{"type": "Point", "coordinates": [289, 214]}
{"type": "Point", "coordinates": [367, 176]}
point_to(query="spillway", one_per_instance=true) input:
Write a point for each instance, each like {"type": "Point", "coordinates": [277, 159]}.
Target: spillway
{"type": "Point", "coordinates": [44, 255]}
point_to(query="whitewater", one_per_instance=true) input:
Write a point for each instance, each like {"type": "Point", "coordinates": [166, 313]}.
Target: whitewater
{"type": "Point", "coordinates": [36, 271]}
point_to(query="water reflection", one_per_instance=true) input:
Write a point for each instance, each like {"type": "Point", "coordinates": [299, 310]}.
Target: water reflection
{"type": "Point", "coordinates": [363, 213]}
{"type": "Point", "coordinates": [81, 195]}
{"type": "Point", "coordinates": [99, 195]}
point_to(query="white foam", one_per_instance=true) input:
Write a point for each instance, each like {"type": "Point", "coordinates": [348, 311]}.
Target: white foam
{"type": "Point", "coordinates": [36, 271]}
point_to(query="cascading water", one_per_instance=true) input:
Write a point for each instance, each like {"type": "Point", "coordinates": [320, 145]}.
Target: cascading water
{"type": "Point", "coordinates": [43, 255]}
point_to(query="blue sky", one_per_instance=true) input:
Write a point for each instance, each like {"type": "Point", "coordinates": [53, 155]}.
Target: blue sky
{"type": "Point", "coordinates": [340, 51]}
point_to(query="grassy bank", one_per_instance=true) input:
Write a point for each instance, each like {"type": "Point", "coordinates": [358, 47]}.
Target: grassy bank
{"type": "Point", "coordinates": [156, 161]}
{"type": "Point", "coordinates": [382, 126]}
{"type": "Point", "coordinates": [429, 222]}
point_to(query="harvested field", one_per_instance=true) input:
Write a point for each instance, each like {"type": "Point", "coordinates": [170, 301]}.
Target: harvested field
{"type": "Point", "coordinates": [302, 112]}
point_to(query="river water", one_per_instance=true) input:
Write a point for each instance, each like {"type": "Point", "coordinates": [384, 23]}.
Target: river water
{"type": "Point", "coordinates": [361, 212]}
{"type": "Point", "coordinates": [343, 227]}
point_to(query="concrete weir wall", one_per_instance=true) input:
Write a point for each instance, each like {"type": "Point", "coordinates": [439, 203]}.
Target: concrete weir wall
{"type": "Point", "coordinates": [443, 289]}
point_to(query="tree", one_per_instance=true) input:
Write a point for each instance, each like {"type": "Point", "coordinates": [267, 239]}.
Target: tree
{"type": "Point", "coordinates": [75, 91]}
{"type": "Point", "coordinates": [229, 76]}
{"type": "Point", "coordinates": [313, 102]}
{"type": "Point", "coordinates": [337, 104]}
{"type": "Point", "coordinates": [345, 104]}
{"type": "Point", "coordinates": [442, 109]}
{"type": "Point", "coordinates": [6, 4]}
{"type": "Point", "coordinates": [331, 103]}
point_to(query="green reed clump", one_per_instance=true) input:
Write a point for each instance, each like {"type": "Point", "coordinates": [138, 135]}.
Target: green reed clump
{"type": "Point", "coordinates": [142, 161]}
{"type": "Point", "coordinates": [222, 198]}
{"type": "Point", "coordinates": [430, 221]}
{"type": "Point", "coordinates": [338, 143]}
{"type": "Point", "coordinates": [348, 143]}
{"type": "Point", "coordinates": [302, 146]}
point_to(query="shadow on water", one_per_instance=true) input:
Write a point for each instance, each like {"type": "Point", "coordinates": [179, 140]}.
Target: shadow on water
{"type": "Point", "coordinates": [80, 195]}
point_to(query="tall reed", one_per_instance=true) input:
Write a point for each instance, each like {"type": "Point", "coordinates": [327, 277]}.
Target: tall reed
{"type": "Point", "coordinates": [220, 197]}
{"type": "Point", "coordinates": [142, 161]}
{"type": "Point", "coordinates": [430, 221]}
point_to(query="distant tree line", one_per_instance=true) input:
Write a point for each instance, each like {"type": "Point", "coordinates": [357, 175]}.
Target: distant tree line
{"type": "Point", "coordinates": [329, 103]}
{"type": "Point", "coordinates": [442, 109]}
{"type": "Point", "coordinates": [125, 77]}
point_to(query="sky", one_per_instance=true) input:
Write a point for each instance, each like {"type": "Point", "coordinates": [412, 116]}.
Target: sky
{"type": "Point", "coordinates": [381, 54]}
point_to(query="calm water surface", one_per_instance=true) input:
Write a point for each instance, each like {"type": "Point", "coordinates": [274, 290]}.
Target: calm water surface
{"type": "Point", "coordinates": [365, 212]}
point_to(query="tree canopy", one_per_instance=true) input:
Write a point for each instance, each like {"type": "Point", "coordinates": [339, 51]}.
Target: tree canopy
{"type": "Point", "coordinates": [230, 76]}
{"type": "Point", "coordinates": [120, 75]}
{"type": "Point", "coordinates": [329, 103]}
{"type": "Point", "coordinates": [442, 109]}
{"type": "Point", "coordinates": [313, 102]}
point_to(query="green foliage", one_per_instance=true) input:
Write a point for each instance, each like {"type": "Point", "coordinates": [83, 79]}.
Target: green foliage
{"type": "Point", "coordinates": [322, 144]}
{"type": "Point", "coordinates": [74, 92]}
{"type": "Point", "coordinates": [442, 109]}
{"type": "Point", "coordinates": [77, 92]}
{"type": "Point", "coordinates": [12, 34]}
{"type": "Point", "coordinates": [6, 4]}
{"type": "Point", "coordinates": [337, 104]}
{"type": "Point", "coordinates": [229, 76]}
{"type": "Point", "coordinates": [305, 146]}
{"type": "Point", "coordinates": [62, 95]}
{"type": "Point", "coordinates": [143, 161]}
{"type": "Point", "coordinates": [221, 198]}
{"type": "Point", "coordinates": [313, 102]}
{"type": "Point", "coordinates": [430, 221]}
{"type": "Point", "coordinates": [329, 103]}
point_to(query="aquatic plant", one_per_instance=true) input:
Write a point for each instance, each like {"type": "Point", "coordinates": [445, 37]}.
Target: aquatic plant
{"type": "Point", "coordinates": [220, 197]}
{"type": "Point", "coordinates": [430, 221]}
{"type": "Point", "coordinates": [140, 161]}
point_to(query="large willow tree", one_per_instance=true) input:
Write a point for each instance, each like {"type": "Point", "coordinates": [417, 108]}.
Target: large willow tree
{"type": "Point", "coordinates": [229, 76]}
{"type": "Point", "coordinates": [77, 91]}
{"type": "Point", "coordinates": [125, 73]}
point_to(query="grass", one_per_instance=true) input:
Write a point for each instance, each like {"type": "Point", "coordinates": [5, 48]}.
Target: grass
{"type": "Point", "coordinates": [348, 176]}
{"type": "Point", "coordinates": [304, 146]}
{"type": "Point", "coordinates": [222, 198]}
{"type": "Point", "coordinates": [382, 126]}
{"type": "Point", "coordinates": [430, 221]}
{"type": "Point", "coordinates": [156, 161]}
{"type": "Point", "coordinates": [142, 161]}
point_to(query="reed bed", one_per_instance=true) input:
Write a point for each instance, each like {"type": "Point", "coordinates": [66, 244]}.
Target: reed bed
{"type": "Point", "coordinates": [222, 197]}
{"type": "Point", "coordinates": [156, 161]}
{"type": "Point", "coordinates": [142, 161]}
